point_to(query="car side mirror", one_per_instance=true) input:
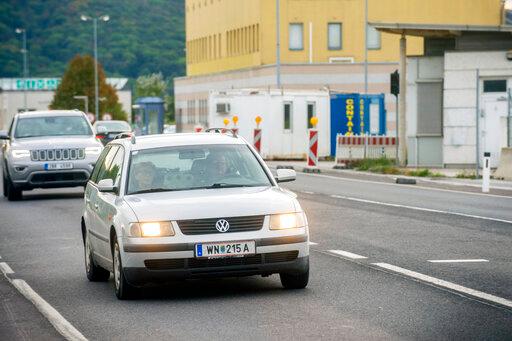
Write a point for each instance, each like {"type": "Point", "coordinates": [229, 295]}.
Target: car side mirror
{"type": "Point", "coordinates": [285, 175]}
{"type": "Point", "coordinates": [4, 135]}
{"type": "Point", "coordinates": [107, 186]}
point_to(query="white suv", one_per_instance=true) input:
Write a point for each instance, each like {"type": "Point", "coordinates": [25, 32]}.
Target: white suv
{"type": "Point", "coordinates": [166, 207]}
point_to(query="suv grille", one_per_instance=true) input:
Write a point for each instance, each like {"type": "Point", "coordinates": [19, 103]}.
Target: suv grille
{"type": "Point", "coordinates": [207, 226]}
{"type": "Point", "coordinates": [57, 154]}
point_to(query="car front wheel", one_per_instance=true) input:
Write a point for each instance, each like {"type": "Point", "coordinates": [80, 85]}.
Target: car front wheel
{"type": "Point", "coordinates": [295, 280]}
{"type": "Point", "coordinates": [11, 192]}
{"type": "Point", "coordinates": [122, 288]}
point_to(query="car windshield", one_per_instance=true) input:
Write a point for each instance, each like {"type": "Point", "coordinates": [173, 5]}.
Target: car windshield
{"type": "Point", "coordinates": [114, 126]}
{"type": "Point", "coordinates": [194, 167]}
{"type": "Point", "coordinates": [52, 126]}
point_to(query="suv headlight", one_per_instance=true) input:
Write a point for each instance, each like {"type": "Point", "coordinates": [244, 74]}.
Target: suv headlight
{"type": "Point", "coordinates": [19, 153]}
{"type": "Point", "coordinates": [151, 229]}
{"type": "Point", "coordinates": [93, 150]}
{"type": "Point", "coordinates": [287, 221]}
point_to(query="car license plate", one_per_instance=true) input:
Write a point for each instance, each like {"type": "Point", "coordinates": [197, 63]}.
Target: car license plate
{"type": "Point", "coordinates": [225, 249]}
{"type": "Point", "coordinates": [56, 166]}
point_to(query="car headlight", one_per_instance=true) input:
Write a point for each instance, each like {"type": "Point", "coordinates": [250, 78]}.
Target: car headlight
{"type": "Point", "coordinates": [18, 154]}
{"type": "Point", "coordinates": [93, 150]}
{"type": "Point", "coordinates": [152, 229]}
{"type": "Point", "coordinates": [287, 221]}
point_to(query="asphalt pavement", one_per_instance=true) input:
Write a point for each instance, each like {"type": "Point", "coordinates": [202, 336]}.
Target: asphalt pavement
{"type": "Point", "coordinates": [374, 273]}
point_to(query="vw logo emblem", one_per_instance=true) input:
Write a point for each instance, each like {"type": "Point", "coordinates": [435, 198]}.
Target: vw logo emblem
{"type": "Point", "coordinates": [222, 225]}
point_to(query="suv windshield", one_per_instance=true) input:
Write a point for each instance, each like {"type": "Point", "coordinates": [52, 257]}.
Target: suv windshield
{"type": "Point", "coordinates": [52, 126]}
{"type": "Point", "coordinates": [194, 167]}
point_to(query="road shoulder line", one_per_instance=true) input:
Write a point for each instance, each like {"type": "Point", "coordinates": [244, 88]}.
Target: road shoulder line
{"type": "Point", "coordinates": [416, 208]}
{"type": "Point", "coordinates": [62, 325]}
{"type": "Point", "coordinates": [346, 254]}
{"type": "Point", "coordinates": [445, 284]}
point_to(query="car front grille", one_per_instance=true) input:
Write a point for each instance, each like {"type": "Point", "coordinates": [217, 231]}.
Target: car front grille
{"type": "Point", "coordinates": [57, 154]}
{"type": "Point", "coordinates": [198, 263]}
{"type": "Point", "coordinates": [207, 226]}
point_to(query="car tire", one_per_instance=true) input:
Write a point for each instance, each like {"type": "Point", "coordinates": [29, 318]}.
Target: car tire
{"type": "Point", "coordinates": [4, 185]}
{"type": "Point", "coordinates": [11, 192]}
{"type": "Point", "coordinates": [123, 289]}
{"type": "Point", "coordinates": [295, 280]}
{"type": "Point", "coordinates": [94, 272]}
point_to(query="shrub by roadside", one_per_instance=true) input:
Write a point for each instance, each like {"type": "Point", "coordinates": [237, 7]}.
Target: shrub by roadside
{"type": "Point", "coordinates": [387, 166]}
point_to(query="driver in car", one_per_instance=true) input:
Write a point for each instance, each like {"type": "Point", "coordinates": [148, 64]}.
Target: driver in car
{"type": "Point", "coordinates": [143, 176]}
{"type": "Point", "coordinates": [219, 167]}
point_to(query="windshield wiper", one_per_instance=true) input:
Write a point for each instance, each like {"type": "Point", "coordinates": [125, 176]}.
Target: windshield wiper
{"type": "Point", "coordinates": [155, 190]}
{"type": "Point", "coordinates": [226, 185]}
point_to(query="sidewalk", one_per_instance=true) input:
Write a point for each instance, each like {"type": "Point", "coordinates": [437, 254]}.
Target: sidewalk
{"type": "Point", "coordinates": [449, 179]}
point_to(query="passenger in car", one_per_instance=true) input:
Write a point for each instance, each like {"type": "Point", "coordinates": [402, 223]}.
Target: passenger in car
{"type": "Point", "coordinates": [144, 176]}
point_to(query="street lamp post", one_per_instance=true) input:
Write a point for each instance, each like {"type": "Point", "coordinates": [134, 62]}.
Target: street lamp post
{"type": "Point", "coordinates": [95, 30]}
{"type": "Point", "coordinates": [25, 66]}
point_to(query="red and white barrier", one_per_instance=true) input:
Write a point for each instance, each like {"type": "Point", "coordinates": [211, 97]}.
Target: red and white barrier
{"type": "Point", "coordinates": [235, 130]}
{"type": "Point", "coordinates": [198, 129]}
{"type": "Point", "coordinates": [257, 140]}
{"type": "Point", "coordinates": [313, 148]}
{"type": "Point", "coordinates": [358, 147]}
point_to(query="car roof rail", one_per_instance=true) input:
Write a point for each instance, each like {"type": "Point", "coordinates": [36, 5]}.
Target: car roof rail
{"type": "Point", "coordinates": [221, 131]}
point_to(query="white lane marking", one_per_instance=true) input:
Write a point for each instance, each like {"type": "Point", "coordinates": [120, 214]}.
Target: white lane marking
{"type": "Point", "coordinates": [313, 243]}
{"type": "Point", "coordinates": [5, 268]}
{"type": "Point", "coordinates": [457, 260]}
{"type": "Point", "coordinates": [446, 284]}
{"type": "Point", "coordinates": [394, 184]}
{"type": "Point", "coordinates": [346, 254]}
{"type": "Point", "coordinates": [420, 208]}
{"type": "Point", "coordinates": [65, 328]}
{"type": "Point", "coordinates": [308, 192]}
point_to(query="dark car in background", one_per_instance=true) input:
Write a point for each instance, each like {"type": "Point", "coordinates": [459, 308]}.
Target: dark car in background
{"type": "Point", "coordinates": [106, 131]}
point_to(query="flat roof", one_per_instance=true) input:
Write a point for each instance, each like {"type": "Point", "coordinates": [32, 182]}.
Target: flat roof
{"type": "Point", "coordinates": [435, 30]}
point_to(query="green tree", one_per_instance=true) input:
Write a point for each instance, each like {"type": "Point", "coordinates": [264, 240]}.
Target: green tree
{"type": "Point", "coordinates": [78, 80]}
{"type": "Point", "coordinates": [153, 85]}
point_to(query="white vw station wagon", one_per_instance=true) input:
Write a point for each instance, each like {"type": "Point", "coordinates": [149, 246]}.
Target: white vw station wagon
{"type": "Point", "coordinates": [165, 207]}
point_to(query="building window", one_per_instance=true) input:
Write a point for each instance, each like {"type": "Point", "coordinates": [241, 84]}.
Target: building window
{"type": "Point", "coordinates": [373, 38]}
{"type": "Point", "coordinates": [430, 109]}
{"type": "Point", "coordinates": [495, 85]}
{"type": "Point", "coordinates": [287, 116]}
{"type": "Point", "coordinates": [296, 37]}
{"type": "Point", "coordinates": [311, 114]}
{"type": "Point", "coordinates": [334, 36]}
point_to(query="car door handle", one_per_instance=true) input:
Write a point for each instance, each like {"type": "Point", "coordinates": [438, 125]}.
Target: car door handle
{"type": "Point", "coordinates": [87, 200]}
{"type": "Point", "coordinates": [96, 206]}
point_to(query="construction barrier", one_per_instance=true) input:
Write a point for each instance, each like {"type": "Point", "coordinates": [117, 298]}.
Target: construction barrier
{"type": "Point", "coordinates": [358, 147]}
{"type": "Point", "coordinates": [257, 140]}
{"type": "Point", "coordinates": [198, 129]}
{"type": "Point", "coordinates": [234, 130]}
{"type": "Point", "coordinates": [313, 148]}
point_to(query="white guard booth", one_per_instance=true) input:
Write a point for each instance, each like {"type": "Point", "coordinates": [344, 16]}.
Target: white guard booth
{"type": "Point", "coordinates": [285, 115]}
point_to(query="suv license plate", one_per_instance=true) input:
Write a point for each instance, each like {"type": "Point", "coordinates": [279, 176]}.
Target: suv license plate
{"type": "Point", "coordinates": [225, 249]}
{"type": "Point", "coordinates": [61, 165]}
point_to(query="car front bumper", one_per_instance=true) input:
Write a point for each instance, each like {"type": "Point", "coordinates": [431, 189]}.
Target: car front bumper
{"type": "Point", "coordinates": [158, 263]}
{"type": "Point", "coordinates": [29, 175]}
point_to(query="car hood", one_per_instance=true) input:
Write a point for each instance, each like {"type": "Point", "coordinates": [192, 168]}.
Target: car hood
{"type": "Point", "coordinates": [212, 203]}
{"type": "Point", "coordinates": [46, 142]}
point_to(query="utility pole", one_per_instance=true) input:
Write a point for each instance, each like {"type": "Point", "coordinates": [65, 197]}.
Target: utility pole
{"type": "Point", "coordinates": [278, 43]}
{"type": "Point", "coordinates": [24, 52]}
{"type": "Point", "coordinates": [104, 18]}
{"type": "Point", "coordinates": [366, 47]}
{"type": "Point", "coordinates": [402, 136]}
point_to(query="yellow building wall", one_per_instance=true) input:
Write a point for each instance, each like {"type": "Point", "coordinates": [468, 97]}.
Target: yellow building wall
{"type": "Point", "coordinates": [455, 12]}
{"type": "Point", "coordinates": [214, 29]}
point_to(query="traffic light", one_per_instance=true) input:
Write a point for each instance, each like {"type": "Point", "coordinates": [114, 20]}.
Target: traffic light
{"type": "Point", "coordinates": [395, 83]}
